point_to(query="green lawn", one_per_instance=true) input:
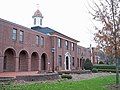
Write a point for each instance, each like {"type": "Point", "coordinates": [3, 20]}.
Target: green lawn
{"type": "Point", "coordinates": [91, 84]}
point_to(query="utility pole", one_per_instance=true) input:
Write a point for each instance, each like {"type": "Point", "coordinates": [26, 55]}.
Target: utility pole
{"type": "Point", "coordinates": [115, 45]}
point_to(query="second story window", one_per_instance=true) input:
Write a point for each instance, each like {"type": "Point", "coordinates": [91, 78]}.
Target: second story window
{"type": "Point", "coordinates": [14, 34]}
{"type": "Point", "coordinates": [37, 39]}
{"type": "Point", "coordinates": [72, 46]}
{"type": "Point", "coordinates": [59, 43]}
{"type": "Point", "coordinates": [78, 50]}
{"type": "Point", "coordinates": [66, 45]}
{"type": "Point", "coordinates": [42, 41]}
{"type": "Point", "coordinates": [21, 37]}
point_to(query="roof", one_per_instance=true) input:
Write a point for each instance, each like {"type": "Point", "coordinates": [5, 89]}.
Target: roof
{"type": "Point", "coordinates": [37, 14]}
{"type": "Point", "coordinates": [49, 31]}
{"type": "Point", "coordinates": [44, 30]}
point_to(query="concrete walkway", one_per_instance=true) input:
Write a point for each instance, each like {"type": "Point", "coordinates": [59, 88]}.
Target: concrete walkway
{"type": "Point", "coordinates": [77, 77]}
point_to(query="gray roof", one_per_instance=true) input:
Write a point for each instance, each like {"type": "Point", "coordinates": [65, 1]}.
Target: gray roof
{"type": "Point", "coordinates": [44, 30]}
{"type": "Point", "coordinates": [49, 31]}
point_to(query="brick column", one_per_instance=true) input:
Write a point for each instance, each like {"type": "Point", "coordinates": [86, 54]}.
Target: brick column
{"type": "Point", "coordinates": [16, 64]}
{"type": "Point", "coordinates": [1, 63]}
{"type": "Point", "coordinates": [39, 65]}
{"type": "Point", "coordinates": [29, 64]}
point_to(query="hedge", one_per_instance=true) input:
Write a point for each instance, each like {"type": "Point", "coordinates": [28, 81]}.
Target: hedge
{"type": "Point", "coordinates": [66, 76]}
{"type": "Point", "coordinates": [94, 70]}
{"type": "Point", "coordinates": [108, 70]}
{"type": "Point", "coordinates": [103, 66]}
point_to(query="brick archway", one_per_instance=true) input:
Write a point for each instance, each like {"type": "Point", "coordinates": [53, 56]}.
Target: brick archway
{"type": "Point", "coordinates": [34, 61]}
{"type": "Point", "coordinates": [44, 62]}
{"type": "Point", "coordinates": [9, 60]}
{"type": "Point", "coordinates": [23, 61]}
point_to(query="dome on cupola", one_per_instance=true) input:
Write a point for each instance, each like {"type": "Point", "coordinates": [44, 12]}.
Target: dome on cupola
{"type": "Point", "coordinates": [37, 17]}
{"type": "Point", "coordinates": [37, 14]}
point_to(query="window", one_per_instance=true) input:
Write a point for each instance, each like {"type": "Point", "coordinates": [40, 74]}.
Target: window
{"type": "Point", "coordinates": [72, 45]}
{"type": "Point", "coordinates": [40, 21]}
{"type": "Point", "coordinates": [78, 50]}
{"type": "Point", "coordinates": [42, 41]}
{"type": "Point", "coordinates": [66, 45]}
{"type": "Point", "coordinates": [59, 43]}
{"type": "Point", "coordinates": [73, 63]}
{"type": "Point", "coordinates": [34, 21]}
{"type": "Point", "coordinates": [14, 34]}
{"type": "Point", "coordinates": [37, 39]}
{"type": "Point", "coordinates": [59, 60]}
{"type": "Point", "coordinates": [21, 36]}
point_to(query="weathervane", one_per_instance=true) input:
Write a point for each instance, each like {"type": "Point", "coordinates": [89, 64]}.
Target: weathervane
{"type": "Point", "coordinates": [38, 6]}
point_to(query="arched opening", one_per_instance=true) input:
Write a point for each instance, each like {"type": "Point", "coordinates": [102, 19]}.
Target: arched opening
{"type": "Point", "coordinates": [34, 61]}
{"type": "Point", "coordinates": [23, 61]}
{"type": "Point", "coordinates": [43, 62]}
{"type": "Point", "coordinates": [9, 60]}
{"type": "Point", "coordinates": [67, 63]}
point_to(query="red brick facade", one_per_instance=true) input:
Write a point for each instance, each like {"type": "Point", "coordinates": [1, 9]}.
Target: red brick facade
{"type": "Point", "coordinates": [30, 56]}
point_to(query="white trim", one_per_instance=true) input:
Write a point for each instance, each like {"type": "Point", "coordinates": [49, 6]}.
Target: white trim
{"type": "Point", "coordinates": [38, 21]}
{"type": "Point", "coordinates": [67, 55]}
{"type": "Point", "coordinates": [64, 38]}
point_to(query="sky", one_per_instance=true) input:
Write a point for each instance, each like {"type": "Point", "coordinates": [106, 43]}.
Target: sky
{"type": "Point", "coordinates": [69, 17]}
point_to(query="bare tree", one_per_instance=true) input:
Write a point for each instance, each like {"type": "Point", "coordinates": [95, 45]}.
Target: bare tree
{"type": "Point", "coordinates": [105, 36]}
{"type": "Point", "coordinates": [107, 12]}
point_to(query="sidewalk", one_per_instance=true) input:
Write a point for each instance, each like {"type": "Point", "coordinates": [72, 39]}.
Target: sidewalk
{"type": "Point", "coordinates": [77, 77]}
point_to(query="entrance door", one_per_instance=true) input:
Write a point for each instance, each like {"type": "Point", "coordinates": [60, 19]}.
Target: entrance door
{"type": "Point", "coordinates": [67, 63]}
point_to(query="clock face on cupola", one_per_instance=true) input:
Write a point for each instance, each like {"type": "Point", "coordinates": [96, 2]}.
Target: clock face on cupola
{"type": "Point", "coordinates": [37, 17]}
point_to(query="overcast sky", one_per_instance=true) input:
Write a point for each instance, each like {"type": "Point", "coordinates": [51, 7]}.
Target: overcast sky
{"type": "Point", "coordinates": [69, 17]}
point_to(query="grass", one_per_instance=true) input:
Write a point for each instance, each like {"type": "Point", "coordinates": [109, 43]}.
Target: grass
{"type": "Point", "coordinates": [91, 84]}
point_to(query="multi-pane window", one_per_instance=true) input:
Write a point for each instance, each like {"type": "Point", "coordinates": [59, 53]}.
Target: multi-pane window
{"type": "Point", "coordinates": [59, 60]}
{"type": "Point", "coordinates": [37, 39]}
{"type": "Point", "coordinates": [14, 34]}
{"type": "Point", "coordinates": [73, 62]}
{"type": "Point", "coordinates": [72, 46]}
{"type": "Point", "coordinates": [59, 43]}
{"type": "Point", "coordinates": [42, 41]}
{"type": "Point", "coordinates": [66, 45]}
{"type": "Point", "coordinates": [21, 37]}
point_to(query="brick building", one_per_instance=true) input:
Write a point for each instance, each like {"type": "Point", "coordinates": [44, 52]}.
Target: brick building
{"type": "Point", "coordinates": [38, 48]}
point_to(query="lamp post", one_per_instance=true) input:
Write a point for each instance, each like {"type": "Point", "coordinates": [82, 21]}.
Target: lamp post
{"type": "Point", "coordinates": [53, 50]}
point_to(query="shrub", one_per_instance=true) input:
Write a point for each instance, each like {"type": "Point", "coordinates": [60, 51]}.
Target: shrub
{"type": "Point", "coordinates": [103, 66]}
{"type": "Point", "coordinates": [101, 62]}
{"type": "Point", "coordinates": [108, 70]}
{"type": "Point", "coordinates": [66, 76]}
{"type": "Point", "coordinates": [88, 65]}
{"type": "Point", "coordinates": [94, 70]}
